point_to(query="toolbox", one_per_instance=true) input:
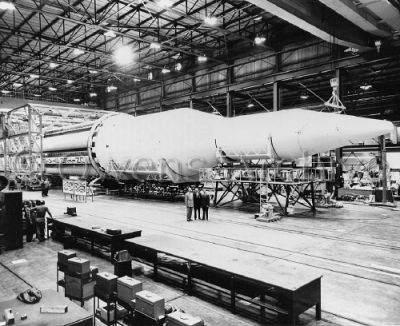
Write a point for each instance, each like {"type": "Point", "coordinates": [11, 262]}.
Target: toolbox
{"type": "Point", "coordinates": [78, 265]}
{"type": "Point", "coordinates": [64, 255]}
{"type": "Point", "coordinates": [106, 282]}
{"type": "Point", "coordinates": [150, 304]}
{"type": "Point", "coordinates": [178, 318]}
{"type": "Point", "coordinates": [127, 287]}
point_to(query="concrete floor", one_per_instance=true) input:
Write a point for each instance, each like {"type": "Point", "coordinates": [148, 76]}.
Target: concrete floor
{"type": "Point", "coordinates": [355, 248]}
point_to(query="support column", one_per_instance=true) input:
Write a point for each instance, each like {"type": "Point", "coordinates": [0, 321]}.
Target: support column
{"type": "Point", "coordinates": [382, 149]}
{"type": "Point", "coordinates": [276, 97]}
{"type": "Point", "coordinates": [338, 151]}
{"type": "Point", "coordinates": [338, 169]}
{"type": "Point", "coordinates": [229, 104]}
{"type": "Point", "coordinates": [162, 93]}
{"type": "Point", "coordinates": [229, 94]}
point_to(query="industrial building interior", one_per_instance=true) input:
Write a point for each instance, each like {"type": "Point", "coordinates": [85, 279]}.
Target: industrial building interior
{"type": "Point", "coordinates": [271, 126]}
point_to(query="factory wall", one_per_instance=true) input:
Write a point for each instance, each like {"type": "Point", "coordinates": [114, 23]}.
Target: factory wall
{"type": "Point", "coordinates": [296, 56]}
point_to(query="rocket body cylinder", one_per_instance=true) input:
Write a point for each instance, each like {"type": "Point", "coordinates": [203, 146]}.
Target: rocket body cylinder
{"type": "Point", "coordinates": [174, 145]}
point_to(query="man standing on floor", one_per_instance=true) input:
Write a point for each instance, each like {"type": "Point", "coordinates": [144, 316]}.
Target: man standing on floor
{"type": "Point", "coordinates": [197, 203]}
{"type": "Point", "coordinates": [189, 202]}
{"type": "Point", "coordinates": [41, 211]}
{"type": "Point", "coordinates": [205, 203]}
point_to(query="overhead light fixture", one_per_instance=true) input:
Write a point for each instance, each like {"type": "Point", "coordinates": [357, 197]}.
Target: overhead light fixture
{"type": "Point", "coordinates": [78, 51]}
{"type": "Point", "coordinates": [259, 40]}
{"type": "Point", "coordinates": [258, 18]}
{"type": "Point", "coordinates": [6, 5]}
{"type": "Point", "coordinates": [69, 81]}
{"type": "Point", "coordinates": [155, 45]}
{"type": "Point", "coordinates": [111, 88]}
{"type": "Point", "coordinates": [351, 50]}
{"type": "Point", "coordinates": [53, 89]}
{"type": "Point", "coordinates": [93, 94]}
{"type": "Point", "coordinates": [4, 91]}
{"type": "Point", "coordinates": [304, 95]}
{"type": "Point", "coordinates": [202, 58]}
{"type": "Point", "coordinates": [33, 76]}
{"type": "Point", "coordinates": [165, 70]}
{"type": "Point", "coordinates": [53, 65]}
{"type": "Point", "coordinates": [164, 3]}
{"type": "Point", "coordinates": [77, 99]}
{"type": "Point", "coordinates": [17, 85]}
{"type": "Point", "coordinates": [123, 55]}
{"type": "Point", "coordinates": [93, 72]}
{"type": "Point", "coordinates": [250, 105]}
{"type": "Point", "coordinates": [178, 66]}
{"type": "Point", "coordinates": [37, 95]}
{"type": "Point", "coordinates": [210, 20]}
{"type": "Point", "coordinates": [110, 34]}
{"type": "Point", "coordinates": [366, 87]}
{"type": "Point", "coordinates": [150, 76]}
{"type": "Point", "coordinates": [136, 80]}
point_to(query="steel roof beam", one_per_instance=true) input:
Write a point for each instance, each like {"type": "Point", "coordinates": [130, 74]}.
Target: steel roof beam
{"type": "Point", "coordinates": [357, 16]}
{"type": "Point", "coordinates": [315, 18]}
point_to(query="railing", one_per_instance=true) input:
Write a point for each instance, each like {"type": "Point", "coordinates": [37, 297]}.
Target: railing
{"type": "Point", "coordinates": [266, 175]}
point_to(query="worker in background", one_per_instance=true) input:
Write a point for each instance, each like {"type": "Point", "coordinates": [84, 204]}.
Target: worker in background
{"type": "Point", "coordinates": [196, 203]}
{"type": "Point", "coordinates": [189, 202]}
{"type": "Point", "coordinates": [205, 203]}
{"type": "Point", "coordinates": [41, 211]}
{"type": "Point", "coordinates": [30, 220]}
{"type": "Point", "coordinates": [45, 186]}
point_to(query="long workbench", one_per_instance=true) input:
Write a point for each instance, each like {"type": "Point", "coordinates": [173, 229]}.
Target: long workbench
{"type": "Point", "coordinates": [76, 316]}
{"type": "Point", "coordinates": [297, 288]}
{"type": "Point", "coordinates": [93, 230]}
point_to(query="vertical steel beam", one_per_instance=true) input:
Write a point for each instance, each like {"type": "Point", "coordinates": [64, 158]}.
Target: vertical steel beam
{"type": "Point", "coordinates": [229, 104]}
{"type": "Point", "coordinates": [229, 95]}
{"type": "Point", "coordinates": [338, 151]}
{"type": "Point", "coordinates": [382, 150]}
{"type": "Point", "coordinates": [276, 97]}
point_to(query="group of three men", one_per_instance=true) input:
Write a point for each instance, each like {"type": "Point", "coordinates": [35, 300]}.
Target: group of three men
{"type": "Point", "coordinates": [195, 200]}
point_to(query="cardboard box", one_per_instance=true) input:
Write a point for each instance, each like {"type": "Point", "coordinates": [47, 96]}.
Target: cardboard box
{"type": "Point", "coordinates": [127, 287]}
{"type": "Point", "coordinates": [78, 265]}
{"type": "Point", "coordinates": [78, 288]}
{"type": "Point", "coordinates": [102, 312]}
{"type": "Point", "coordinates": [178, 318]}
{"type": "Point", "coordinates": [106, 282]}
{"type": "Point", "coordinates": [64, 255]}
{"type": "Point", "coordinates": [150, 304]}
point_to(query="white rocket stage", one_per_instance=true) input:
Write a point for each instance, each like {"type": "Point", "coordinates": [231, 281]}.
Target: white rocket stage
{"type": "Point", "coordinates": [355, 248]}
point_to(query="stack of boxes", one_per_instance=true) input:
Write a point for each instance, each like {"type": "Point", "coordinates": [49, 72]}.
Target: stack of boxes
{"type": "Point", "coordinates": [79, 278]}
{"type": "Point", "coordinates": [62, 264]}
{"type": "Point", "coordinates": [63, 257]}
{"type": "Point", "coordinates": [106, 287]}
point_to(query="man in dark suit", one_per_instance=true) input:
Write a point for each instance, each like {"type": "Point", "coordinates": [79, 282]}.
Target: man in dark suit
{"type": "Point", "coordinates": [197, 203]}
{"type": "Point", "coordinates": [205, 203]}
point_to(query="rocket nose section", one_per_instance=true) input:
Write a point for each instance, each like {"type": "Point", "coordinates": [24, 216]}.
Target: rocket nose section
{"type": "Point", "coordinates": [328, 131]}
{"type": "Point", "coordinates": [359, 129]}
